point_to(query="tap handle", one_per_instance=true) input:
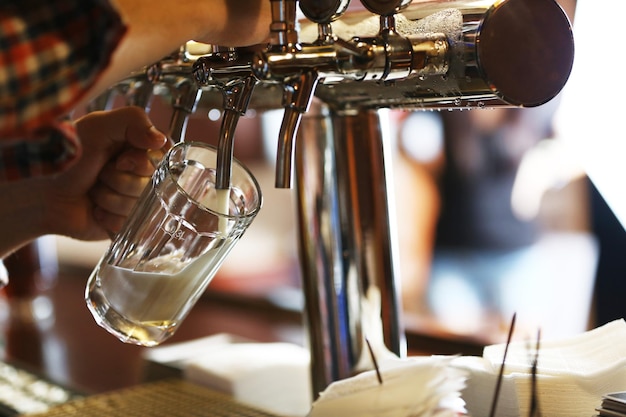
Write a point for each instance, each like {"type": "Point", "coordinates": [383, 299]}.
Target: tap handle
{"type": "Point", "coordinates": [283, 33]}
{"type": "Point", "coordinates": [526, 50]}
{"type": "Point", "coordinates": [323, 11]}
{"type": "Point", "coordinates": [385, 7]}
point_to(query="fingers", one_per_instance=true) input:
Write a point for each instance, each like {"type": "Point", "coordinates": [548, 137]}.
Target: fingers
{"type": "Point", "coordinates": [105, 182]}
{"type": "Point", "coordinates": [143, 137]}
{"type": "Point", "coordinates": [125, 183]}
{"type": "Point", "coordinates": [113, 205]}
{"type": "Point", "coordinates": [139, 132]}
{"type": "Point", "coordinates": [136, 161]}
{"type": "Point", "coordinates": [117, 190]}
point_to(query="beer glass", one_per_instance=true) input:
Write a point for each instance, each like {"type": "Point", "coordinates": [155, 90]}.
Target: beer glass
{"type": "Point", "coordinates": [172, 244]}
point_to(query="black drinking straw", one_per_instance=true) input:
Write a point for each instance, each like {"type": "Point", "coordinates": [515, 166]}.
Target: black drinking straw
{"type": "Point", "coordinates": [496, 393]}
{"type": "Point", "coordinates": [369, 347]}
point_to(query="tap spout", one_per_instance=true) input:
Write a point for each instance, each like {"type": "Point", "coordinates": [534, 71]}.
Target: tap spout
{"type": "Point", "coordinates": [231, 73]}
{"type": "Point", "coordinates": [140, 93]}
{"type": "Point", "coordinates": [236, 99]}
{"type": "Point", "coordinates": [185, 100]}
{"type": "Point", "coordinates": [299, 91]}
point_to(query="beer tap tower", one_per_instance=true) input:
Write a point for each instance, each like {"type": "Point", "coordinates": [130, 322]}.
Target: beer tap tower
{"type": "Point", "coordinates": [331, 82]}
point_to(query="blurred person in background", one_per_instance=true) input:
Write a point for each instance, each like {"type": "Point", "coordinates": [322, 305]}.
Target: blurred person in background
{"type": "Point", "coordinates": [494, 250]}
{"type": "Point", "coordinates": [499, 241]}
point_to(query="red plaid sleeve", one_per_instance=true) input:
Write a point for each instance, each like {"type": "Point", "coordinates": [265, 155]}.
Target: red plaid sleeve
{"type": "Point", "coordinates": [51, 52]}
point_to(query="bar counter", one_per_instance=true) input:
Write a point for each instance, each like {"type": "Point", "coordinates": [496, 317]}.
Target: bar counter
{"type": "Point", "coordinates": [70, 349]}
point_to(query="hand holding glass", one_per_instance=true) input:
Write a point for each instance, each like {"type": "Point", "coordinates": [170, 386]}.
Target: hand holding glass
{"type": "Point", "coordinates": [177, 236]}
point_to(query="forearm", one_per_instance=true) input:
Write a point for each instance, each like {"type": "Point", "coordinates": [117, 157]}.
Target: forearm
{"type": "Point", "coordinates": [155, 31]}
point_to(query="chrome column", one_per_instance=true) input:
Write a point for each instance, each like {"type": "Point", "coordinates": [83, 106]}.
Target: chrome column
{"type": "Point", "coordinates": [346, 243]}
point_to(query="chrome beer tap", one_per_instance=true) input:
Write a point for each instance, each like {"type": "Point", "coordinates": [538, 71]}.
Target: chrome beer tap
{"type": "Point", "coordinates": [171, 77]}
{"type": "Point", "coordinates": [426, 55]}
{"type": "Point", "coordinates": [139, 93]}
{"type": "Point", "coordinates": [185, 98]}
{"type": "Point", "coordinates": [232, 75]}
{"type": "Point", "coordinates": [280, 63]}
{"type": "Point", "coordinates": [348, 267]}
{"type": "Point", "coordinates": [332, 73]}
{"type": "Point", "coordinates": [348, 271]}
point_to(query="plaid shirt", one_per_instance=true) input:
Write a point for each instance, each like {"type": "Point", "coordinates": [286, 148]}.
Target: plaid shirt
{"type": "Point", "coordinates": [51, 52]}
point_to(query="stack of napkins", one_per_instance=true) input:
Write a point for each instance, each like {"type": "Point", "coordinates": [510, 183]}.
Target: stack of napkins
{"type": "Point", "coordinates": [413, 387]}
{"type": "Point", "coordinates": [572, 374]}
{"type": "Point", "coordinates": [613, 405]}
{"type": "Point", "coordinates": [274, 377]}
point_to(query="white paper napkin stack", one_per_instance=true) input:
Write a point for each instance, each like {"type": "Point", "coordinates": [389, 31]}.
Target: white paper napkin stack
{"type": "Point", "coordinates": [573, 374]}
{"type": "Point", "coordinates": [270, 376]}
{"type": "Point", "coordinates": [413, 387]}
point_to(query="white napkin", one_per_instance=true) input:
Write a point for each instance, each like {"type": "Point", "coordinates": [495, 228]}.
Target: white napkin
{"type": "Point", "coordinates": [413, 387]}
{"type": "Point", "coordinates": [480, 386]}
{"type": "Point", "coordinates": [270, 376]}
{"type": "Point", "coordinates": [572, 374]}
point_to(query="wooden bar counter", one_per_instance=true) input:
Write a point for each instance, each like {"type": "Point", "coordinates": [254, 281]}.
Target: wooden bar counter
{"type": "Point", "coordinates": [70, 349]}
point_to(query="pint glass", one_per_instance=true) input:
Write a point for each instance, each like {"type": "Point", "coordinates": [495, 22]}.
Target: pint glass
{"type": "Point", "coordinates": [171, 246]}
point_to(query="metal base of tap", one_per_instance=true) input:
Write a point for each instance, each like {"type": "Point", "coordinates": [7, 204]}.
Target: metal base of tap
{"type": "Point", "coordinates": [346, 244]}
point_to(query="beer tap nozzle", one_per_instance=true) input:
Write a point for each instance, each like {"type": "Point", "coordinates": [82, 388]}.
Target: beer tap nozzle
{"type": "Point", "coordinates": [186, 98]}
{"type": "Point", "coordinates": [236, 99]}
{"type": "Point", "coordinates": [296, 99]}
{"type": "Point", "coordinates": [231, 74]}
